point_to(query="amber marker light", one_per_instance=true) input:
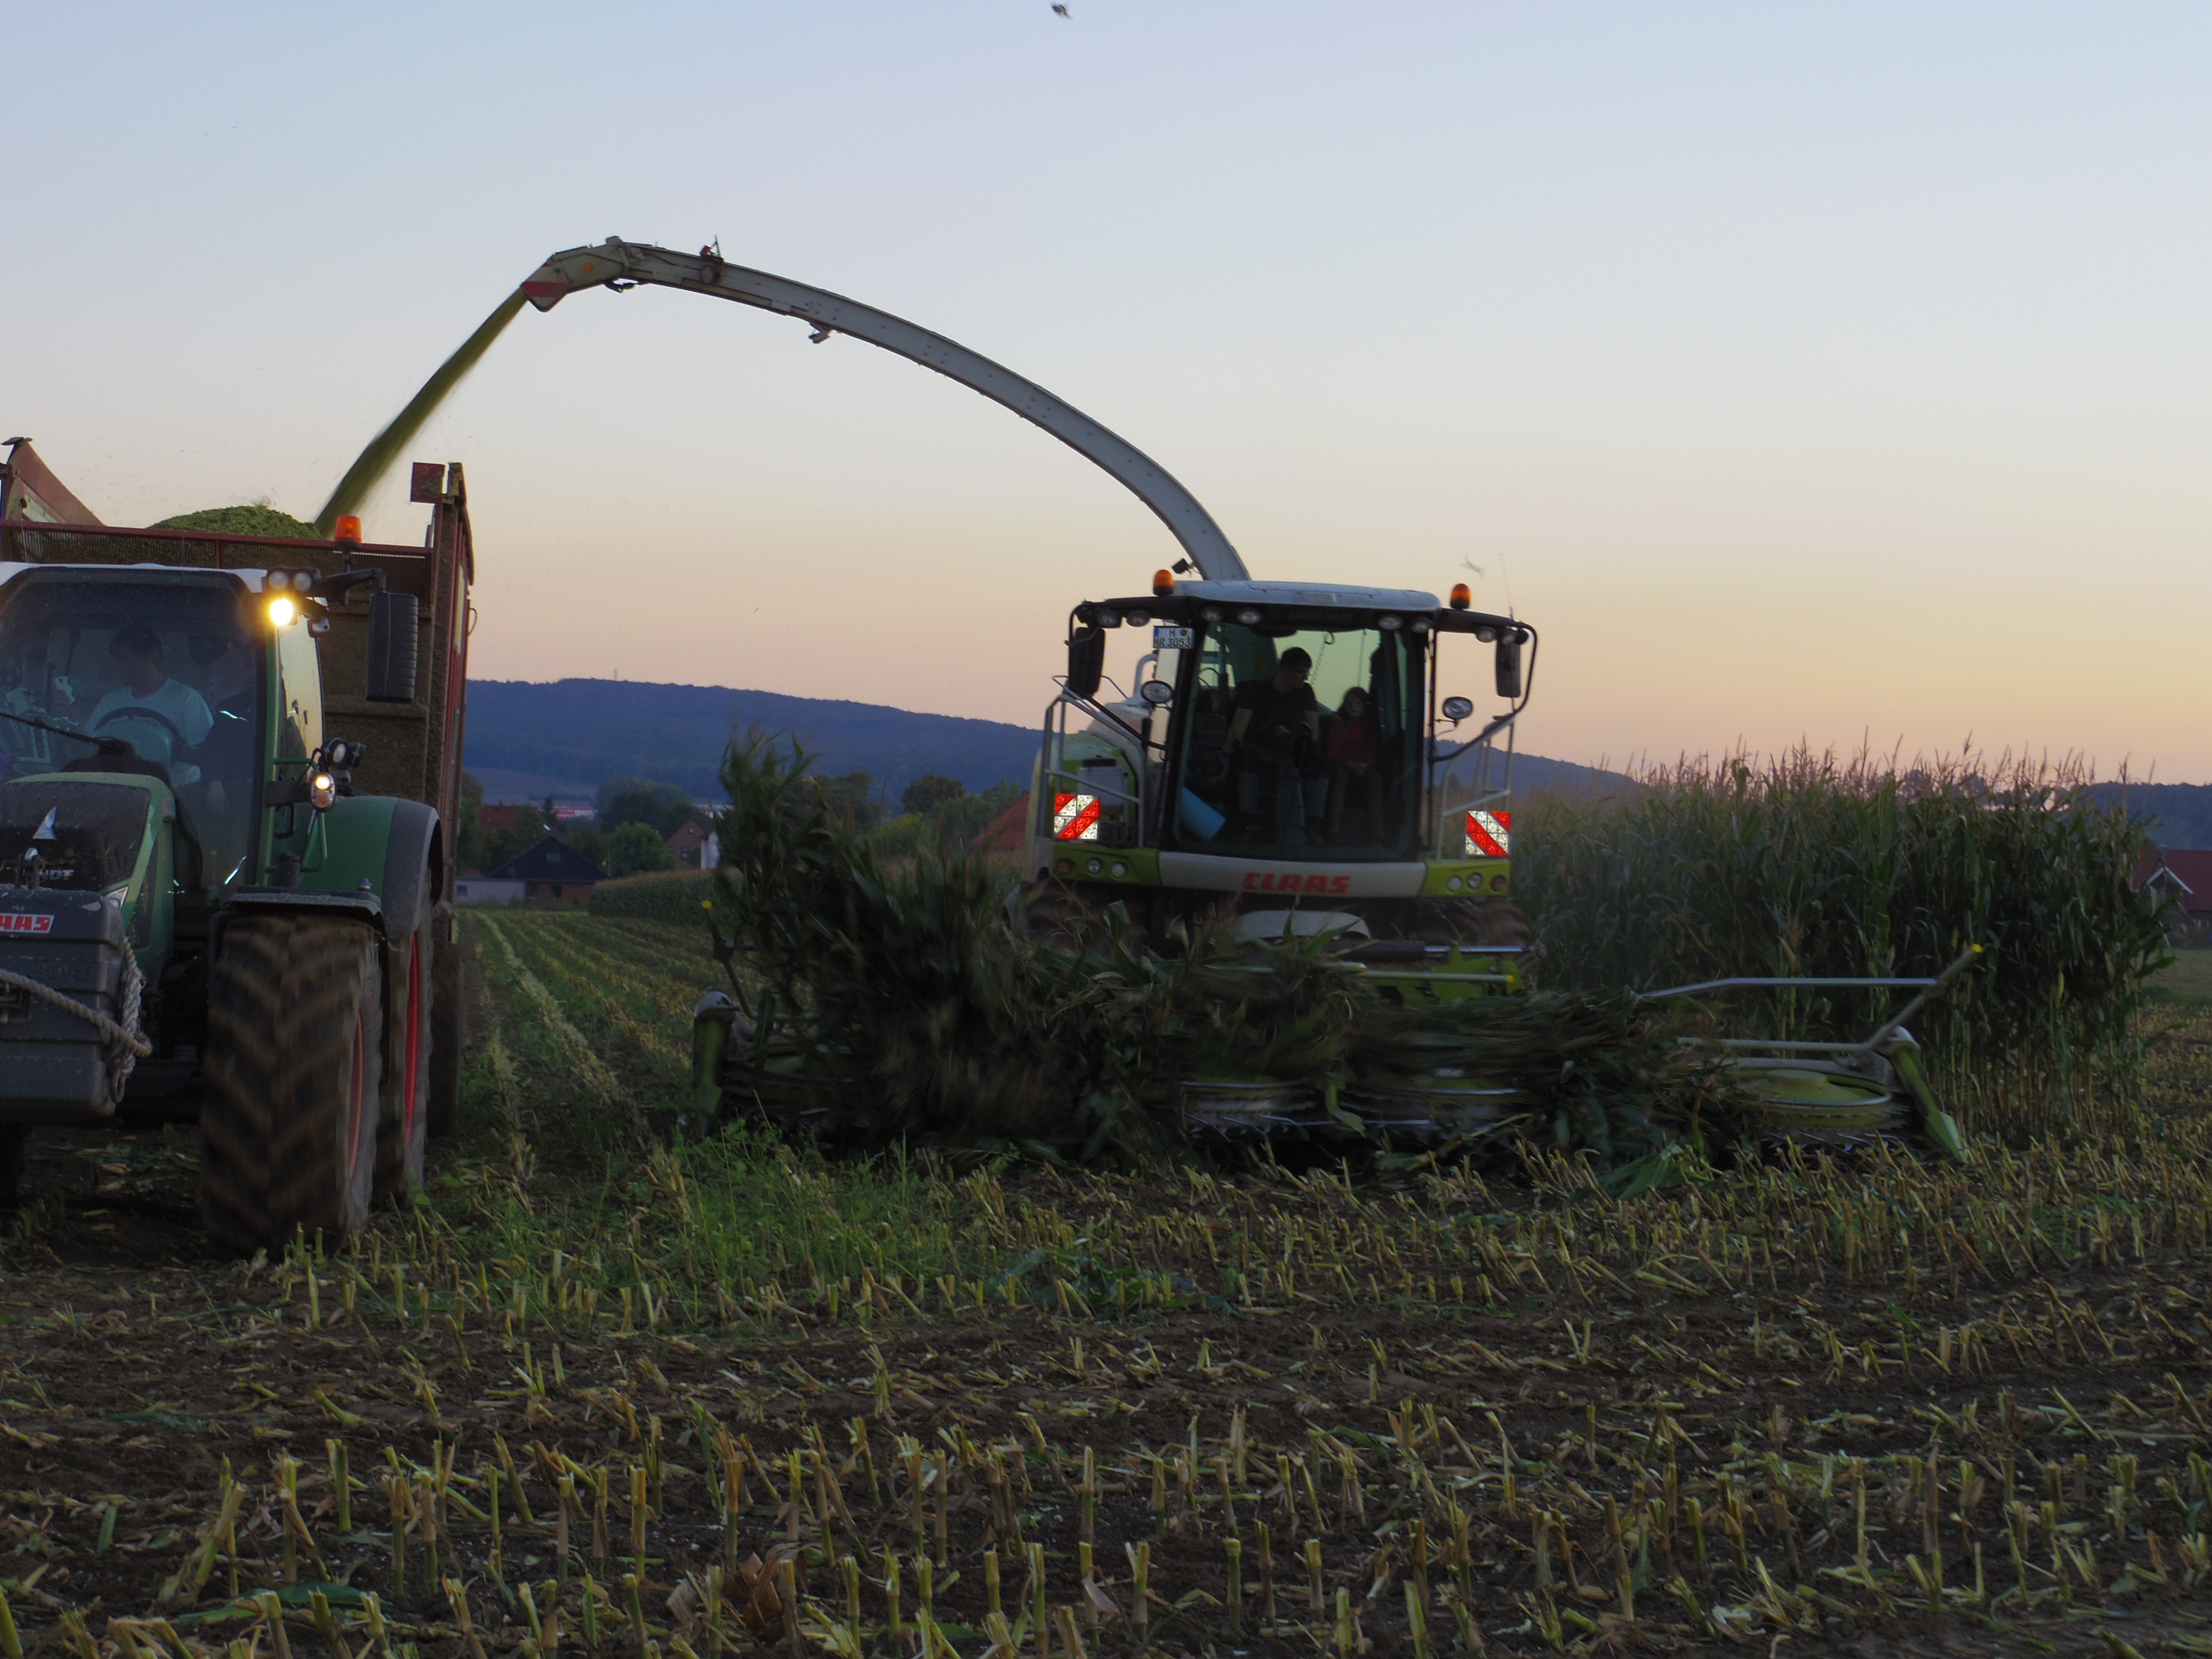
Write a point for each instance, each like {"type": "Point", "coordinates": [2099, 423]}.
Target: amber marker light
{"type": "Point", "coordinates": [348, 531]}
{"type": "Point", "coordinates": [1460, 597]}
{"type": "Point", "coordinates": [1163, 583]}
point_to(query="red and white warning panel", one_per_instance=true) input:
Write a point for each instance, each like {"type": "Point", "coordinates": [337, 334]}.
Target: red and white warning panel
{"type": "Point", "coordinates": [1489, 835]}
{"type": "Point", "coordinates": [1075, 818]}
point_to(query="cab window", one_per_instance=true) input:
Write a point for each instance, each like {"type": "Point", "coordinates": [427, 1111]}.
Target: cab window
{"type": "Point", "coordinates": [1306, 738]}
{"type": "Point", "coordinates": [300, 693]}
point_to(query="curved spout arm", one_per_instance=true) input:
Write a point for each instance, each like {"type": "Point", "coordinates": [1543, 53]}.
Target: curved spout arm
{"type": "Point", "coordinates": [616, 263]}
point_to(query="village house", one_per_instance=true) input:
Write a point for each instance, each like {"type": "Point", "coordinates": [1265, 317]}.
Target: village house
{"type": "Point", "coordinates": [551, 869]}
{"type": "Point", "coordinates": [695, 844]}
{"type": "Point", "coordinates": [2184, 875]}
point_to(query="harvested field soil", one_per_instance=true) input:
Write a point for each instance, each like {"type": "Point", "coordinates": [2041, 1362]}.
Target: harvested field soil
{"type": "Point", "coordinates": [603, 1392]}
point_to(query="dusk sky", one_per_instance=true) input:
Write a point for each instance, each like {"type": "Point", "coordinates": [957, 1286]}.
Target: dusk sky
{"type": "Point", "coordinates": [1817, 372]}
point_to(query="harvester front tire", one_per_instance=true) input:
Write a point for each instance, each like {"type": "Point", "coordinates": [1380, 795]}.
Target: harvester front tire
{"type": "Point", "coordinates": [402, 1117]}
{"type": "Point", "coordinates": [445, 1027]}
{"type": "Point", "coordinates": [295, 1044]}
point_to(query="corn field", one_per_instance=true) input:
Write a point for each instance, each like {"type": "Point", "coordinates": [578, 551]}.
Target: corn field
{"type": "Point", "coordinates": [1810, 865]}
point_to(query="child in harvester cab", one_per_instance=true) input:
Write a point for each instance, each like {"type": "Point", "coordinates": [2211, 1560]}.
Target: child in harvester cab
{"type": "Point", "coordinates": [1354, 754]}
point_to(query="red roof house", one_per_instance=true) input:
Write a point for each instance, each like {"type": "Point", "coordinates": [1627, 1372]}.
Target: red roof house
{"type": "Point", "coordinates": [2181, 873]}
{"type": "Point", "coordinates": [694, 842]}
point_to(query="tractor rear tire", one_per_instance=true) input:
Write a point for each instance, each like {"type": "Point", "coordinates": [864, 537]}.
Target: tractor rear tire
{"type": "Point", "coordinates": [294, 1068]}
{"type": "Point", "coordinates": [446, 1028]}
{"type": "Point", "coordinates": [402, 1117]}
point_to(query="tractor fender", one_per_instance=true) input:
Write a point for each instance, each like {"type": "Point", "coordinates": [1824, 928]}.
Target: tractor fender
{"type": "Point", "coordinates": [382, 846]}
{"type": "Point", "coordinates": [411, 868]}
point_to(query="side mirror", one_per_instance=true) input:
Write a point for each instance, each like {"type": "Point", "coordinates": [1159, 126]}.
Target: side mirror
{"type": "Point", "coordinates": [1158, 693]}
{"type": "Point", "coordinates": [1086, 661]}
{"type": "Point", "coordinates": [1458, 709]}
{"type": "Point", "coordinates": [392, 646]}
{"type": "Point", "coordinates": [1508, 667]}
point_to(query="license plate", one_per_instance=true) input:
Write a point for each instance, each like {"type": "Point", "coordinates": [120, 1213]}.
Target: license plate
{"type": "Point", "coordinates": [1171, 638]}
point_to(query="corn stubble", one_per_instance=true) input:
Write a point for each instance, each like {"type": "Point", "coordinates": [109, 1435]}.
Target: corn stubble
{"type": "Point", "coordinates": [1076, 1414]}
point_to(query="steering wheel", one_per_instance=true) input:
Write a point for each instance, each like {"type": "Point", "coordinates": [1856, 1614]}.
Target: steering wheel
{"type": "Point", "coordinates": [139, 712]}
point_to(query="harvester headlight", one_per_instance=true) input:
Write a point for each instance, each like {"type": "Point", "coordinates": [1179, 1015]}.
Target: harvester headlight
{"type": "Point", "coordinates": [1248, 616]}
{"type": "Point", "coordinates": [283, 612]}
{"type": "Point", "coordinates": [1390, 624]}
{"type": "Point", "coordinates": [1210, 613]}
{"type": "Point", "coordinates": [1420, 624]}
{"type": "Point", "coordinates": [1092, 866]}
{"type": "Point", "coordinates": [322, 791]}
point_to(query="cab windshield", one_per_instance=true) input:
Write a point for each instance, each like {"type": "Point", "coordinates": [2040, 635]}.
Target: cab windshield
{"type": "Point", "coordinates": [170, 667]}
{"type": "Point", "coordinates": [1305, 738]}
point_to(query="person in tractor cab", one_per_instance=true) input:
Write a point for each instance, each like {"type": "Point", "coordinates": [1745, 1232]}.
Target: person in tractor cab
{"type": "Point", "coordinates": [147, 690]}
{"type": "Point", "coordinates": [1277, 726]}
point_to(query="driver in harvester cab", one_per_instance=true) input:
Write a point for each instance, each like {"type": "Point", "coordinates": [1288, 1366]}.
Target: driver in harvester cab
{"type": "Point", "coordinates": [1277, 722]}
{"type": "Point", "coordinates": [148, 690]}
{"type": "Point", "coordinates": [1281, 704]}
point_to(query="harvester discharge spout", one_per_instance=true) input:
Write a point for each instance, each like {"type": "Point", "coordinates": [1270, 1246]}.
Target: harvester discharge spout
{"type": "Point", "coordinates": [618, 265]}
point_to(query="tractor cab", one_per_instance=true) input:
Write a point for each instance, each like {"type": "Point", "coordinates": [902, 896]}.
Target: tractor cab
{"type": "Point", "coordinates": [163, 675]}
{"type": "Point", "coordinates": [1308, 749]}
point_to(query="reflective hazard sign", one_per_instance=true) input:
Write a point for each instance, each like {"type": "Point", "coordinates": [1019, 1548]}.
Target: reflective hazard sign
{"type": "Point", "coordinates": [1489, 835]}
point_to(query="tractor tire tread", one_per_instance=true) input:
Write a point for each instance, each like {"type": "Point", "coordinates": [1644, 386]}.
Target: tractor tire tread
{"type": "Point", "coordinates": [281, 998]}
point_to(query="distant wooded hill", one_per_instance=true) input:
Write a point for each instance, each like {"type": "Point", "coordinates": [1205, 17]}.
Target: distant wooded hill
{"type": "Point", "coordinates": [526, 741]}
{"type": "Point", "coordinates": [2173, 814]}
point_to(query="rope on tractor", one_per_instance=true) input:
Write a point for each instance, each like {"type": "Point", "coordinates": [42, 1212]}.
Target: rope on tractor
{"type": "Point", "coordinates": [125, 1048]}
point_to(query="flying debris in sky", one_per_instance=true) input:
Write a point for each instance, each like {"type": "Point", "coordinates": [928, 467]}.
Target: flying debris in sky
{"type": "Point", "coordinates": [1062, 10]}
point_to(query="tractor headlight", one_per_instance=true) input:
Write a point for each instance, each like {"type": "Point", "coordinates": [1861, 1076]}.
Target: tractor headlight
{"type": "Point", "coordinates": [322, 790]}
{"type": "Point", "coordinates": [282, 611]}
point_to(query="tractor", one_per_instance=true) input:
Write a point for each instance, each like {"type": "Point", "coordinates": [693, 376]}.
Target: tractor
{"type": "Point", "coordinates": [226, 876]}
